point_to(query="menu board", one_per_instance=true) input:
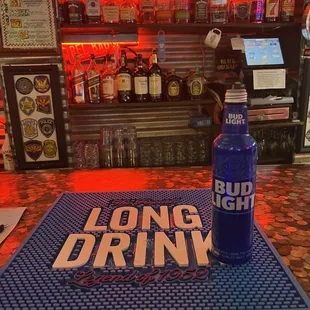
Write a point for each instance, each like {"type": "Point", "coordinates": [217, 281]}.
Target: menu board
{"type": "Point", "coordinates": [37, 119]}
{"type": "Point", "coordinates": [28, 24]}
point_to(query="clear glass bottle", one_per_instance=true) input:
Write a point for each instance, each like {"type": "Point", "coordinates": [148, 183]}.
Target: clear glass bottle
{"type": "Point", "coordinates": [174, 87]}
{"type": "Point", "coordinates": [110, 12]}
{"type": "Point", "coordinates": [147, 12]}
{"type": "Point", "coordinates": [164, 12]}
{"type": "Point", "coordinates": [241, 10]}
{"type": "Point", "coordinates": [75, 11]}
{"type": "Point", "coordinates": [218, 11]}
{"type": "Point", "coordinates": [196, 85]}
{"type": "Point", "coordinates": [108, 83]}
{"type": "Point", "coordinates": [124, 81]}
{"type": "Point", "coordinates": [155, 79]}
{"type": "Point", "coordinates": [93, 81]}
{"type": "Point", "coordinates": [182, 12]}
{"type": "Point", "coordinates": [78, 82]}
{"type": "Point", "coordinates": [201, 11]}
{"type": "Point", "coordinates": [128, 12]}
{"type": "Point", "coordinates": [92, 11]}
{"type": "Point", "coordinates": [140, 82]}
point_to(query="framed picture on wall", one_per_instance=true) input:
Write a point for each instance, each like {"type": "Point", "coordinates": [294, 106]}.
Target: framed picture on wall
{"type": "Point", "coordinates": [34, 100]}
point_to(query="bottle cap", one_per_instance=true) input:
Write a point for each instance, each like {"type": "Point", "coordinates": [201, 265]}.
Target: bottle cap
{"type": "Point", "coordinates": [237, 94]}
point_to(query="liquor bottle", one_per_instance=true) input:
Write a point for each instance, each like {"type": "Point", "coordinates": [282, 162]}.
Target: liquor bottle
{"type": "Point", "coordinates": [8, 159]}
{"type": "Point", "coordinates": [93, 81]}
{"type": "Point", "coordinates": [124, 81]}
{"type": "Point", "coordinates": [61, 11]}
{"type": "Point", "coordinates": [140, 82]}
{"type": "Point", "coordinates": [78, 82]}
{"type": "Point", "coordinates": [182, 12]}
{"type": "Point", "coordinates": [218, 11]}
{"type": "Point", "coordinates": [201, 11]}
{"type": "Point", "coordinates": [155, 79]}
{"type": "Point", "coordinates": [75, 10]}
{"type": "Point", "coordinates": [164, 12]}
{"type": "Point", "coordinates": [68, 69]}
{"type": "Point", "coordinates": [110, 12]}
{"type": "Point", "coordinates": [174, 87]}
{"type": "Point", "coordinates": [272, 12]}
{"type": "Point", "coordinates": [196, 85]}
{"type": "Point", "coordinates": [241, 10]}
{"type": "Point", "coordinates": [93, 11]}
{"type": "Point", "coordinates": [287, 10]}
{"type": "Point", "coordinates": [147, 12]}
{"type": "Point", "coordinates": [128, 12]}
{"type": "Point", "coordinates": [234, 157]}
{"type": "Point", "coordinates": [108, 83]}
{"type": "Point", "coordinates": [258, 11]}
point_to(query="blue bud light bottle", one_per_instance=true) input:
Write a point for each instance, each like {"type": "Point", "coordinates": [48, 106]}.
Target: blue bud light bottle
{"type": "Point", "coordinates": [233, 185]}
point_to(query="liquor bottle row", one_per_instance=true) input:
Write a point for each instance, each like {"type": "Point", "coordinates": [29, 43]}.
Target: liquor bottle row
{"type": "Point", "coordinates": [175, 11]}
{"type": "Point", "coordinates": [122, 85]}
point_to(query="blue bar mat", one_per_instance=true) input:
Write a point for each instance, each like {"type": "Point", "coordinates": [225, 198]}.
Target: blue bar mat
{"type": "Point", "coordinates": [29, 282]}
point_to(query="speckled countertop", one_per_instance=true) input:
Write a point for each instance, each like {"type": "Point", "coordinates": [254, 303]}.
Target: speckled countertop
{"type": "Point", "coordinates": [282, 201]}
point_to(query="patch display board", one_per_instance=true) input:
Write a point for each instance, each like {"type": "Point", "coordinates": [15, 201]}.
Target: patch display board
{"type": "Point", "coordinates": [33, 279]}
{"type": "Point", "coordinates": [36, 115]}
{"type": "Point", "coordinates": [28, 24]}
{"type": "Point", "coordinates": [37, 119]}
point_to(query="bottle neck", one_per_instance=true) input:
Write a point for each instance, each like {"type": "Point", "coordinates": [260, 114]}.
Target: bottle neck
{"type": "Point", "coordinates": [155, 58]}
{"type": "Point", "coordinates": [235, 119]}
{"type": "Point", "coordinates": [123, 61]}
{"type": "Point", "coordinates": [140, 65]}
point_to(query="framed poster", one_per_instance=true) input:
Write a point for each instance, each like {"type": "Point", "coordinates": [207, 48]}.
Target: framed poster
{"type": "Point", "coordinates": [304, 131]}
{"type": "Point", "coordinates": [36, 116]}
{"type": "Point", "coordinates": [28, 24]}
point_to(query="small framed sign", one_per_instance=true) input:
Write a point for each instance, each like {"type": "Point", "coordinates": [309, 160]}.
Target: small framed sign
{"type": "Point", "coordinates": [28, 25]}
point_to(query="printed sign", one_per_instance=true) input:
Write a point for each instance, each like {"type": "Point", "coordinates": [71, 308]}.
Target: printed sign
{"type": "Point", "coordinates": [33, 149]}
{"type": "Point", "coordinates": [29, 128]}
{"type": "Point", "coordinates": [42, 84]}
{"type": "Point", "coordinates": [28, 24]}
{"type": "Point", "coordinates": [26, 104]}
{"type": "Point", "coordinates": [44, 104]}
{"type": "Point", "coordinates": [47, 126]}
{"type": "Point", "coordinates": [24, 86]}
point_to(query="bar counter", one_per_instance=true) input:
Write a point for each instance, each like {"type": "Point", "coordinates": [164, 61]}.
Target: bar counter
{"type": "Point", "coordinates": [282, 201]}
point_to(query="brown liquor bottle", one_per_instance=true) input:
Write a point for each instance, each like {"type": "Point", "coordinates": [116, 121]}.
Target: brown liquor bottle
{"type": "Point", "coordinates": [141, 82]}
{"type": "Point", "coordinates": [155, 80]}
{"type": "Point", "coordinates": [124, 81]}
{"type": "Point", "coordinates": [75, 10]}
{"type": "Point", "coordinates": [93, 81]}
{"type": "Point", "coordinates": [287, 10]}
{"type": "Point", "coordinates": [78, 82]}
{"type": "Point", "coordinates": [174, 87]}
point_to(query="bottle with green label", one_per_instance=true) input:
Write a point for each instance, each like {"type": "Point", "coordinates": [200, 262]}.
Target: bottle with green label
{"type": "Point", "coordinates": [124, 81]}
{"type": "Point", "coordinates": [182, 13]}
{"type": "Point", "coordinates": [174, 87]}
{"type": "Point", "coordinates": [197, 85]}
{"type": "Point", "coordinates": [155, 79]}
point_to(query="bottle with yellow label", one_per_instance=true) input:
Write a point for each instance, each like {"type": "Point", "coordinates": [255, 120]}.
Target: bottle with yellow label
{"type": "Point", "coordinates": [197, 85]}
{"type": "Point", "coordinates": [155, 80]}
{"type": "Point", "coordinates": [287, 10]}
{"type": "Point", "coordinates": [174, 87]}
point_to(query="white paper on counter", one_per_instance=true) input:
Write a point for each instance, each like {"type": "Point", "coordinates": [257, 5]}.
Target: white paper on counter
{"type": "Point", "coordinates": [269, 79]}
{"type": "Point", "coordinates": [9, 216]}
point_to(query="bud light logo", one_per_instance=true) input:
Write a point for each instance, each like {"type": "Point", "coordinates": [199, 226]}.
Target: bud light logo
{"type": "Point", "coordinates": [235, 119]}
{"type": "Point", "coordinates": [233, 196]}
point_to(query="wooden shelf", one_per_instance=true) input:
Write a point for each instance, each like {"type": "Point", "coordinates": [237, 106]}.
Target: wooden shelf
{"type": "Point", "coordinates": [110, 29]}
{"type": "Point", "coordinates": [130, 105]}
